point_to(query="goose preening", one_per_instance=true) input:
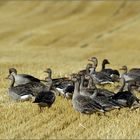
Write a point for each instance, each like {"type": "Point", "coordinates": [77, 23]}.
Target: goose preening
{"type": "Point", "coordinates": [63, 85]}
{"type": "Point", "coordinates": [126, 98]}
{"type": "Point", "coordinates": [112, 73]}
{"type": "Point", "coordinates": [21, 79]}
{"type": "Point", "coordinates": [83, 104]}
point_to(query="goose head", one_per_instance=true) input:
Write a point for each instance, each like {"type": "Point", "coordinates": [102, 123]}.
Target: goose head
{"type": "Point", "coordinates": [124, 68]}
{"type": "Point", "coordinates": [105, 61]}
{"type": "Point", "coordinates": [88, 68]}
{"type": "Point", "coordinates": [49, 72]}
{"type": "Point", "coordinates": [94, 60]}
{"type": "Point", "coordinates": [12, 71]}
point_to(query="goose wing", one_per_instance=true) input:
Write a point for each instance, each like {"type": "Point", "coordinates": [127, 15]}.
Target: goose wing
{"type": "Point", "coordinates": [110, 72]}
{"type": "Point", "coordinates": [102, 77]}
{"type": "Point", "coordinates": [45, 97]}
{"type": "Point", "coordinates": [22, 90]}
{"type": "Point", "coordinates": [88, 104]}
{"type": "Point", "coordinates": [30, 77]}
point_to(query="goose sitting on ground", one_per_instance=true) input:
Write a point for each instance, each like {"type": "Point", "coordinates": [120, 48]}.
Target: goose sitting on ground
{"type": "Point", "coordinates": [83, 104]}
{"type": "Point", "coordinates": [129, 76]}
{"type": "Point", "coordinates": [63, 85]}
{"type": "Point", "coordinates": [21, 79]}
{"type": "Point", "coordinates": [45, 98]}
{"type": "Point", "coordinates": [32, 88]}
{"type": "Point", "coordinates": [126, 98]}
{"type": "Point", "coordinates": [112, 73]}
{"type": "Point", "coordinates": [99, 77]}
{"type": "Point", "coordinates": [19, 93]}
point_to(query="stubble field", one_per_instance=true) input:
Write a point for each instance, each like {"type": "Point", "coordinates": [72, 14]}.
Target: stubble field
{"type": "Point", "coordinates": [62, 35]}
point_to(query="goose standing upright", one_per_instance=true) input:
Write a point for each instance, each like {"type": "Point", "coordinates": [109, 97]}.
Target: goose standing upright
{"type": "Point", "coordinates": [47, 97]}
{"type": "Point", "coordinates": [99, 77]}
{"type": "Point", "coordinates": [83, 104]}
{"type": "Point", "coordinates": [21, 79]}
{"type": "Point", "coordinates": [101, 92]}
{"type": "Point", "coordinates": [105, 101]}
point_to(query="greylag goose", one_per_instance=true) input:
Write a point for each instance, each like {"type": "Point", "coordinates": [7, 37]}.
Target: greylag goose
{"type": "Point", "coordinates": [94, 60]}
{"type": "Point", "coordinates": [129, 76]}
{"type": "Point", "coordinates": [99, 77]}
{"type": "Point", "coordinates": [87, 70]}
{"type": "Point", "coordinates": [21, 79]}
{"type": "Point", "coordinates": [102, 92]}
{"type": "Point", "coordinates": [32, 87]}
{"type": "Point", "coordinates": [83, 104]}
{"type": "Point", "coordinates": [63, 85]}
{"type": "Point", "coordinates": [47, 97]}
{"type": "Point", "coordinates": [19, 93]}
{"type": "Point", "coordinates": [110, 72]}
{"type": "Point", "coordinates": [56, 81]}
{"type": "Point", "coordinates": [126, 98]}
{"type": "Point", "coordinates": [105, 101]}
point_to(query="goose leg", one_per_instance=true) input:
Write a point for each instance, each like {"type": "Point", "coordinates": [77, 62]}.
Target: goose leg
{"type": "Point", "coordinates": [40, 109]}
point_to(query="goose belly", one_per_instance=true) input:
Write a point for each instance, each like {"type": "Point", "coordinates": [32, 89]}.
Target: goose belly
{"type": "Point", "coordinates": [19, 94]}
{"type": "Point", "coordinates": [26, 97]}
{"type": "Point", "coordinates": [13, 95]}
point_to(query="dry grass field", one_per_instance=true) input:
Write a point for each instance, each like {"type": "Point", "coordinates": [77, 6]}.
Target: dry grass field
{"type": "Point", "coordinates": [35, 35]}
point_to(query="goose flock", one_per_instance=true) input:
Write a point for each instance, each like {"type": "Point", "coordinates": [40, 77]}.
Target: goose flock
{"type": "Point", "coordinates": [81, 87]}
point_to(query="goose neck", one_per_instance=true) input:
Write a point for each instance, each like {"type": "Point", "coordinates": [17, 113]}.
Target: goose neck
{"type": "Point", "coordinates": [76, 88]}
{"type": "Point", "coordinates": [12, 81]}
{"type": "Point", "coordinates": [103, 65]}
{"type": "Point", "coordinates": [91, 83]}
{"type": "Point", "coordinates": [82, 82]}
{"type": "Point", "coordinates": [123, 84]}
